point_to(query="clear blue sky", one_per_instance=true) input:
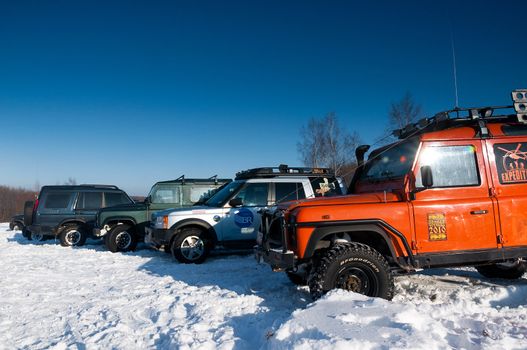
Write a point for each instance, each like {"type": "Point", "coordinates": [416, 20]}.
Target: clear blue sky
{"type": "Point", "coordinates": [132, 92]}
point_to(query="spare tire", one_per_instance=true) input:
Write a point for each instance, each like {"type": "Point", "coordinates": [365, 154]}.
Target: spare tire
{"type": "Point", "coordinates": [28, 213]}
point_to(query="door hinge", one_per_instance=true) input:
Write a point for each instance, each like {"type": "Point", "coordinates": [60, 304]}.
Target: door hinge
{"type": "Point", "coordinates": [414, 245]}
{"type": "Point", "coordinates": [500, 238]}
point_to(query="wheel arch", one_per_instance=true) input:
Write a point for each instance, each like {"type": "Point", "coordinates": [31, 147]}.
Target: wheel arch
{"type": "Point", "coordinates": [119, 219]}
{"type": "Point", "coordinates": [370, 234]}
{"type": "Point", "coordinates": [70, 221]}
{"type": "Point", "coordinates": [201, 224]}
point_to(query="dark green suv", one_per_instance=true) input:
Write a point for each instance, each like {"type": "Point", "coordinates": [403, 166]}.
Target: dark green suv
{"type": "Point", "coordinates": [123, 226]}
{"type": "Point", "coordinates": [68, 212]}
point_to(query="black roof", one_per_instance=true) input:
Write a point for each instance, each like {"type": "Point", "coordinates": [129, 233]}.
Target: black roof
{"type": "Point", "coordinates": [81, 187]}
{"type": "Point", "coordinates": [282, 170]}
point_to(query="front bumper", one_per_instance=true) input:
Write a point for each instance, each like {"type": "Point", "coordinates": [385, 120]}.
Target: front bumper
{"type": "Point", "coordinates": [277, 258]}
{"type": "Point", "coordinates": [157, 236]}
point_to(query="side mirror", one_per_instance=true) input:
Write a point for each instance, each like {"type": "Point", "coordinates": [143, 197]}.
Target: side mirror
{"type": "Point", "coordinates": [426, 176]}
{"type": "Point", "coordinates": [236, 202]}
{"type": "Point", "coordinates": [148, 200]}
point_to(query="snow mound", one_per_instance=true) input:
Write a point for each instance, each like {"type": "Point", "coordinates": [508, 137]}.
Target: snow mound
{"type": "Point", "coordinates": [83, 298]}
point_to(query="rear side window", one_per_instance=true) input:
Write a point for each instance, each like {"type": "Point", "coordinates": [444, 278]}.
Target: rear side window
{"type": "Point", "coordinates": [288, 191]}
{"type": "Point", "coordinates": [57, 200]}
{"type": "Point", "coordinates": [325, 186]}
{"type": "Point", "coordinates": [115, 198]}
{"type": "Point", "coordinates": [511, 162]}
{"type": "Point", "coordinates": [90, 200]}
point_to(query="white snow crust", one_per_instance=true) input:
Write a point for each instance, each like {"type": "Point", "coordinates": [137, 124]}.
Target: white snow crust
{"type": "Point", "coordinates": [53, 297]}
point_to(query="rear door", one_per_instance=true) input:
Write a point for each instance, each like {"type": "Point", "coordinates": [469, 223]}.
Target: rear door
{"type": "Point", "coordinates": [508, 159]}
{"type": "Point", "coordinates": [54, 207]}
{"type": "Point", "coordinates": [457, 213]}
{"type": "Point", "coordinates": [88, 203]}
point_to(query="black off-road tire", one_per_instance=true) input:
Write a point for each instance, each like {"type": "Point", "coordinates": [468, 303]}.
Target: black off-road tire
{"type": "Point", "coordinates": [190, 246]}
{"type": "Point", "coordinates": [121, 238]}
{"type": "Point", "coordinates": [510, 271]}
{"type": "Point", "coordinates": [296, 279]}
{"type": "Point", "coordinates": [11, 226]}
{"type": "Point", "coordinates": [72, 235]}
{"type": "Point", "coordinates": [37, 237]}
{"type": "Point", "coordinates": [26, 233]}
{"type": "Point", "coordinates": [355, 267]}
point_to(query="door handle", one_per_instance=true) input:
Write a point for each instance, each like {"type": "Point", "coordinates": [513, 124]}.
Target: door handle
{"type": "Point", "coordinates": [479, 212]}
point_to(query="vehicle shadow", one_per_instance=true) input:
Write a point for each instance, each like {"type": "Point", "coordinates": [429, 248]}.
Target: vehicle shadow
{"type": "Point", "coordinates": [236, 275]}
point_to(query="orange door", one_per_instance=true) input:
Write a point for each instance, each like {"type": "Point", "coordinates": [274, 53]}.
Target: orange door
{"type": "Point", "coordinates": [457, 213]}
{"type": "Point", "coordinates": [508, 159]}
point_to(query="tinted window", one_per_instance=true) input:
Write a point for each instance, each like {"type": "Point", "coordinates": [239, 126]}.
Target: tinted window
{"type": "Point", "coordinates": [89, 200]}
{"type": "Point", "coordinates": [324, 186]}
{"type": "Point", "coordinates": [115, 198]}
{"type": "Point", "coordinates": [57, 200]}
{"type": "Point", "coordinates": [254, 194]}
{"type": "Point", "coordinates": [288, 191]}
{"type": "Point", "coordinates": [391, 162]}
{"type": "Point", "coordinates": [451, 166]}
{"type": "Point", "coordinates": [511, 162]}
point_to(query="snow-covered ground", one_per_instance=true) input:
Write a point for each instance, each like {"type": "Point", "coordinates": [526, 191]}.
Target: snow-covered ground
{"type": "Point", "coordinates": [87, 298]}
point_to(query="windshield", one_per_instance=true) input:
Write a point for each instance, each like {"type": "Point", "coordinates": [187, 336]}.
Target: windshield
{"type": "Point", "coordinates": [223, 195]}
{"type": "Point", "coordinates": [391, 162]}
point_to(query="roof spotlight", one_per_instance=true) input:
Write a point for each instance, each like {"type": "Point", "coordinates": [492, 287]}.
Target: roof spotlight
{"type": "Point", "coordinates": [519, 97]}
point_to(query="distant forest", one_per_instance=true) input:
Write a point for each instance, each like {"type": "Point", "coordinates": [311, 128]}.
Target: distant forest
{"type": "Point", "coordinates": [12, 201]}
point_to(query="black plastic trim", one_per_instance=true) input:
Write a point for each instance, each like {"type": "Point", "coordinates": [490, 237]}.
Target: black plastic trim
{"type": "Point", "coordinates": [318, 234]}
{"type": "Point", "coordinates": [189, 222]}
{"type": "Point", "coordinates": [470, 257]}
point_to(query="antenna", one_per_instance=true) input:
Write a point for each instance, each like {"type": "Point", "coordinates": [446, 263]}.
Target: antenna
{"type": "Point", "coordinates": [454, 66]}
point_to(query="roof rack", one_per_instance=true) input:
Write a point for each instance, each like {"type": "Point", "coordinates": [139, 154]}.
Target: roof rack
{"type": "Point", "coordinates": [474, 115]}
{"type": "Point", "coordinates": [99, 186]}
{"type": "Point", "coordinates": [281, 170]}
{"type": "Point", "coordinates": [184, 180]}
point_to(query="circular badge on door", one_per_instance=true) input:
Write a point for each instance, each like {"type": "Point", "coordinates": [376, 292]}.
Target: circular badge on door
{"type": "Point", "coordinates": [244, 218]}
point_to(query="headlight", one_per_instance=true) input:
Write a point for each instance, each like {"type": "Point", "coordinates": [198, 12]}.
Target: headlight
{"type": "Point", "coordinates": [162, 222]}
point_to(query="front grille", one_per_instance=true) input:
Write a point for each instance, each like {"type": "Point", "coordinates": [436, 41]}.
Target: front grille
{"type": "Point", "coordinates": [273, 228]}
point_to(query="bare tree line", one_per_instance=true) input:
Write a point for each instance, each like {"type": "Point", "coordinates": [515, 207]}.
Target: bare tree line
{"type": "Point", "coordinates": [12, 201]}
{"type": "Point", "coordinates": [325, 143]}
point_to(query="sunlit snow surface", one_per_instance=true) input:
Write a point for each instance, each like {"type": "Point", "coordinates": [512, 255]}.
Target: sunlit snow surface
{"type": "Point", "coordinates": [89, 298]}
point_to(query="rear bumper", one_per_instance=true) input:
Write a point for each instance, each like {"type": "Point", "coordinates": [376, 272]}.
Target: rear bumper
{"type": "Point", "coordinates": [277, 258]}
{"type": "Point", "coordinates": [44, 230]}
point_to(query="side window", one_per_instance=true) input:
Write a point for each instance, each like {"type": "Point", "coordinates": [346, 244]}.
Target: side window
{"type": "Point", "coordinates": [90, 200]}
{"type": "Point", "coordinates": [115, 198]}
{"type": "Point", "coordinates": [288, 191]}
{"type": "Point", "coordinates": [57, 200]}
{"type": "Point", "coordinates": [254, 194]}
{"type": "Point", "coordinates": [166, 195]}
{"type": "Point", "coordinates": [325, 186]}
{"type": "Point", "coordinates": [511, 162]}
{"type": "Point", "coordinates": [452, 166]}
{"type": "Point", "coordinates": [194, 194]}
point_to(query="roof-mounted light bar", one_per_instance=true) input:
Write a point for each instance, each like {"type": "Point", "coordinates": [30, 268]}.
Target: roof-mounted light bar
{"type": "Point", "coordinates": [519, 97]}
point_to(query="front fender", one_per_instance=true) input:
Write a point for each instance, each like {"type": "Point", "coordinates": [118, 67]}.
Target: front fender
{"type": "Point", "coordinates": [193, 222]}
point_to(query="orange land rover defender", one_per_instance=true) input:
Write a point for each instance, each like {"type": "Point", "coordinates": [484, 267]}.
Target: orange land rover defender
{"type": "Point", "coordinates": [451, 192]}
